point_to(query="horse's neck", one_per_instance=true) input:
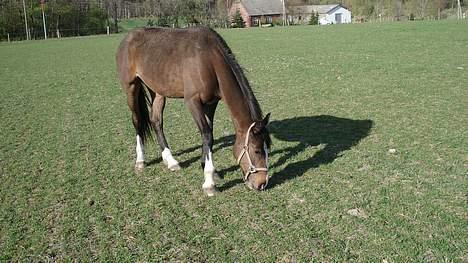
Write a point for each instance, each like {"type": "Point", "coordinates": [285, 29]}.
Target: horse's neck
{"type": "Point", "coordinates": [239, 109]}
{"type": "Point", "coordinates": [240, 115]}
{"type": "Point", "coordinates": [235, 100]}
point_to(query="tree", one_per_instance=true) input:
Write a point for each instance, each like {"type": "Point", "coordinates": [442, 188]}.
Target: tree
{"type": "Point", "coordinates": [83, 17]}
{"type": "Point", "coordinates": [11, 21]}
{"type": "Point", "coordinates": [440, 5]}
{"type": "Point", "coordinates": [423, 7]}
{"type": "Point", "coordinates": [314, 18]}
{"type": "Point", "coordinates": [238, 21]}
{"type": "Point", "coordinates": [193, 11]}
{"type": "Point", "coordinates": [398, 9]}
{"type": "Point", "coordinates": [221, 13]}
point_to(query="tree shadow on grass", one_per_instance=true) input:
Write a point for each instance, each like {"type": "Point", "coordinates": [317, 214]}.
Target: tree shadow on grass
{"type": "Point", "coordinates": [334, 134]}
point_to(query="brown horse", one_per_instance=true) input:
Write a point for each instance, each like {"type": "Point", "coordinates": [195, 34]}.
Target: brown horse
{"type": "Point", "coordinates": [197, 65]}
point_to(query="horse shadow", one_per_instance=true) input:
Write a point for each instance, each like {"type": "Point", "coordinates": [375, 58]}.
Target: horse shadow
{"type": "Point", "coordinates": [332, 135]}
{"type": "Point", "coordinates": [218, 144]}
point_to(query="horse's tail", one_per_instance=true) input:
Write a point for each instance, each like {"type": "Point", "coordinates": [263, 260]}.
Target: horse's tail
{"type": "Point", "coordinates": [139, 97]}
{"type": "Point", "coordinates": [143, 113]}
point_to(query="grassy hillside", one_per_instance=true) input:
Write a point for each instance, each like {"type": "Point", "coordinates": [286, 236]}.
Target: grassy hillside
{"type": "Point", "coordinates": [369, 153]}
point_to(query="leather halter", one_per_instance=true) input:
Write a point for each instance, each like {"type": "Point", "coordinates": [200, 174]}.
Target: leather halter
{"type": "Point", "coordinates": [245, 151]}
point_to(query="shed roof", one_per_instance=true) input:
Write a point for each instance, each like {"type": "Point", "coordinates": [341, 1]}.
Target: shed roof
{"type": "Point", "coordinates": [263, 7]}
{"type": "Point", "coordinates": [308, 9]}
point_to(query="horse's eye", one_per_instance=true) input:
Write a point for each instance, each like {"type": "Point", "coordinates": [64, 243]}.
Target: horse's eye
{"type": "Point", "coordinates": [258, 152]}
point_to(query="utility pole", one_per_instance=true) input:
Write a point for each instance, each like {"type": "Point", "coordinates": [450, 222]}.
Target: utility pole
{"type": "Point", "coordinates": [43, 19]}
{"type": "Point", "coordinates": [284, 12]}
{"type": "Point", "coordinates": [116, 24]}
{"type": "Point", "coordinates": [26, 21]}
{"type": "Point", "coordinates": [459, 11]}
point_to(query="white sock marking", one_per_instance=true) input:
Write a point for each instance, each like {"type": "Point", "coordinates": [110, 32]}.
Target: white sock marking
{"type": "Point", "coordinates": [139, 150]}
{"type": "Point", "coordinates": [169, 160]}
{"type": "Point", "coordinates": [209, 171]}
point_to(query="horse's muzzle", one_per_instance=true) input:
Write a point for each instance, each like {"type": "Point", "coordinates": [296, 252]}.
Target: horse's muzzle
{"type": "Point", "coordinates": [257, 185]}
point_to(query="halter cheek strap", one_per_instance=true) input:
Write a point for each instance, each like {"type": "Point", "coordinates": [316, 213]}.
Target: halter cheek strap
{"type": "Point", "coordinates": [245, 151]}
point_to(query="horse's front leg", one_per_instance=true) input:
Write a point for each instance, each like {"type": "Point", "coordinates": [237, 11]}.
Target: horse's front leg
{"type": "Point", "coordinates": [197, 110]}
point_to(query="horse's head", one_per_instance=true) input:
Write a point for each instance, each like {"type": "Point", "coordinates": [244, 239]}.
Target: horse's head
{"type": "Point", "coordinates": [251, 150]}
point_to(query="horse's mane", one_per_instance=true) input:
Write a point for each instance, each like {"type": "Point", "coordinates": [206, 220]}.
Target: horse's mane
{"type": "Point", "coordinates": [244, 85]}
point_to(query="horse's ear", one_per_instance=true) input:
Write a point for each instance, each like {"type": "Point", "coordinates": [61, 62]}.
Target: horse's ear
{"type": "Point", "coordinates": [260, 125]}
{"type": "Point", "coordinates": [266, 119]}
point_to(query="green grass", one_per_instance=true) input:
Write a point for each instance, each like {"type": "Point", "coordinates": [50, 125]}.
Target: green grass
{"type": "Point", "coordinates": [129, 24]}
{"type": "Point", "coordinates": [340, 97]}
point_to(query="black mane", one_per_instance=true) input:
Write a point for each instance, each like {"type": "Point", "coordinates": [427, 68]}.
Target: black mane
{"type": "Point", "coordinates": [254, 107]}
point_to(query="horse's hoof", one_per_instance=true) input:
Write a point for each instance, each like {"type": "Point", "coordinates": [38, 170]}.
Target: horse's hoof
{"type": "Point", "coordinates": [139, 166]}
{"type": "Point", "coordinates": [210, 191]}
{"type": "Point", "coordinates": [174, 167]}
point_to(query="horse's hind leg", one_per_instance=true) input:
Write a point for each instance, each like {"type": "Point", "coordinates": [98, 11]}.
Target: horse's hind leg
{"type": "Point", "coordinates": [157, 111]}
{"type": "Point", "coordinates": [137, 106]}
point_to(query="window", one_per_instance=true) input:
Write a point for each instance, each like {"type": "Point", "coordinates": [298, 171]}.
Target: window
{"type": "Point", "coordinates": [254, 21]}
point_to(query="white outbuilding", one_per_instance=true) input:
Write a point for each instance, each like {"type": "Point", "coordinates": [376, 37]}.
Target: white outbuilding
{"type": "Point", "coordinates": [328, 14]}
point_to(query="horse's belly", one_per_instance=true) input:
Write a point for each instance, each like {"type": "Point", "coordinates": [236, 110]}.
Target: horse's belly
{"type": "Point", "coordinates": [186, 78]}
{"type": "Point", "coordinates": [164, 85]}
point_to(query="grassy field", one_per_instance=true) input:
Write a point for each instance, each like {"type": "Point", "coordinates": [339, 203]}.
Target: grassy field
{"type": "Point", "coordinates": [369, 157]}
{"type": "Point", "coordinates": [129, 24]}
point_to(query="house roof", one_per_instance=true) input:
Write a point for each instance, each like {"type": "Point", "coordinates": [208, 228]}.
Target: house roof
{"type": "Point", "coordinates": [308, 9]}
{"type": "Point", "coordinates": [263, 7]}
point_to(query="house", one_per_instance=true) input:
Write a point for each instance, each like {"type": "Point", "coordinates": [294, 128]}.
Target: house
{"type": "Point", "coordinates": [328, 14]}
{"type": "Point", "coordinates": [258, 12]}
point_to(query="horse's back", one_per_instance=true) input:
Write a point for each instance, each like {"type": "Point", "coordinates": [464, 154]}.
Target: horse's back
{"type": "Point", "coordinates": [156, 42]}
{"type": "Point", "coordinates": [170, 60]}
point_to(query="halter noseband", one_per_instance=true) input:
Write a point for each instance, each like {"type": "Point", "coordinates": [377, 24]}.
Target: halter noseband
{"type": "Point", "coordinates": [245, 151]}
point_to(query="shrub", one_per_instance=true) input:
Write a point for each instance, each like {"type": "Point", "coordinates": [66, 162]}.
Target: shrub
{"type": "Point", "coordinates": [150, 23]}
{"type": "Point", "coordinates": [314, 19]}
{"type": "Point", "coordinates": [238, 21]}
{"type": "Point", "coordinates": [164, 21]}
